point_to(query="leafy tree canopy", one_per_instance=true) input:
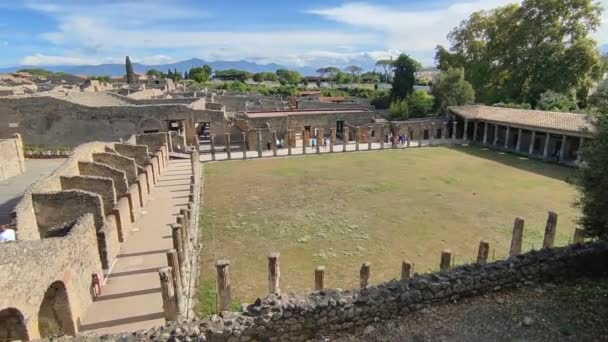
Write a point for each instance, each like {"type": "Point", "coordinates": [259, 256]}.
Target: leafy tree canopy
{"type": "Point", "coordinates": [551, 100]}
{"type": "Point", "coordinates": [404, 79]}
{"type": "Point", "coordinates": [451, 89]}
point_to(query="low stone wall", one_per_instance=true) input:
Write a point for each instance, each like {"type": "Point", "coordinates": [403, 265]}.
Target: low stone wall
{"type": "Point", "coordinates": [12, 160]}
{"type": "Point", "coordinates": [331, 311]}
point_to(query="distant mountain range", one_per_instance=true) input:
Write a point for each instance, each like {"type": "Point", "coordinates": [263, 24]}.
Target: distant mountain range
{"type": "Point", "coordinates": [119, 69]}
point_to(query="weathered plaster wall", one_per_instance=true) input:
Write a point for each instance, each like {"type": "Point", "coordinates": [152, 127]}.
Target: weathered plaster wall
{"type": "Point", "coordinates": [99, 185]}
{"type": "Point", "coordinates": [12, 161]}
{"type": "Point", "coordinates": [138, 152]}
{"type": "Point", "coordinates": [125, 164]}
{"type": "Point", "coordinates": [101, 170]}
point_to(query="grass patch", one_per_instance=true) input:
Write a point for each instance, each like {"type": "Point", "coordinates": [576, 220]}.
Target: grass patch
{"type": "Point", "coordinates": [207, 302]}
{"type": "Point", "coordinates": [341, 210]}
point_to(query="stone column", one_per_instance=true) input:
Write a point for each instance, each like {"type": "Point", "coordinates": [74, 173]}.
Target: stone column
{"type": "Point", "coordinates": [369, 139]}
{"type": "Point", "coordinates": [382, 137]}
{"type": "Point", "coordinates": [173, 263]}
{"type": "Point", "coordinates": [410, 134]}
{"type": "Point", "coordinates": [475, 126]}
{"type": "Point", "coordinates": [485, 133]}
{"type": "Point", "coordinates": [332, 139]}
{"type": "Point", "coordinates": [578, 152]}
{"type": "Point", "coordinates": [579, 235]}
{"type": "Point", "coordinates": [244, 147]}
{"type": "Point", "coordinates": [319, 278]}
{"type": "Point", "coordinates": [482, 252]}
{"type": "Point", "coordinates": [444, 132]}
{"type": "Point", "coordinates": [454, 129]}
{"type": "Point", "coordinates": [259, 144]}
{"type": "Point", "coordinates": [517, 237]}
{"type": "Point", "coordinates": [364, 274]}
{"type": "Point", "coordinates": [212, 140]}
{"type": "Point", "coordinates": [446, 260]}
{"type": "Point", "coordinates": [357, 134]}
{"type": "Point", "coordinates": [274, 274]}
{"type": "Point", "coordinates": [184, 239]}
{"type": "Point", "coordinates": [432, 134]}
{"type": "Point", "coordinates": [519, 139]}
{"type": "Point", "coordinates": [406, 269]}
{"type": "Point", "coordinates": [550, 228]}
{"type": "Point", "coordinates": [465, 135]}
{"type": "Point", "coordinates": [168, 294]}
{"type": "Point", "coordinates": [420, 134]}
{"type": "Point", "coordinates": [495, 143]}
{"type": "Point", "coordinates": [274, 143]}
{"type": "Point", "coordinates": [289, 140]}
{"type": "Point", "coordinates": [531, 146]}
{"type": "Point", "coordinates": [345, 139]}
{"type": "Point", "coordinates": [546, 148]}
{"type": "Point", "coordinates": [507, 133]}
{"type": "Point", "coordinates": [228, 155]}
{"type": "Point", "coordinates": [319, 138]}
{"type": "Point", "coordinates": [562, 149]}
{"type": "Point", "coordinates": [178, 244]}
{"type": "Point", "coordinates": [223, 285]}
{"type": "Point", "coordinates": [304, 141]}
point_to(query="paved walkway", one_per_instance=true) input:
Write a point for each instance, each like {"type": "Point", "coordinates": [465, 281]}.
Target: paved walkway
{"type": "Point", "coordinates": [12, 189]}
{"type": "Point", "coordinates": [131, 298]}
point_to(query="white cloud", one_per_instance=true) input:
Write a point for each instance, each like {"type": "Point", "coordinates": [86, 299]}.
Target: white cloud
{"type": "Point", "coordinates": [40, 59]}
{"type": "Point", "coordinates": [72, 58]}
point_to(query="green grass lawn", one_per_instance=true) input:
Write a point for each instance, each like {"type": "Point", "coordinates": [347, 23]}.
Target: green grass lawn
{"type": "Point", "coordinates": [340, 210]}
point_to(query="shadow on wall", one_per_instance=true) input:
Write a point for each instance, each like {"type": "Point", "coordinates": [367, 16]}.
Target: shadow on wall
{"type": "Point", "coordinates": [561, 173]}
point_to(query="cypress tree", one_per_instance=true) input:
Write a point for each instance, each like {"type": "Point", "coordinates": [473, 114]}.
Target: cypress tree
{"type": "Point", "coordinates": [129, 67]}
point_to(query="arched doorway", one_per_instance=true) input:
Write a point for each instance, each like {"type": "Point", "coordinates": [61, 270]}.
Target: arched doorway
{"type": "Point", "coordinates": [12, 326]}
{"type": "Point", "coordinates": [55, 315]}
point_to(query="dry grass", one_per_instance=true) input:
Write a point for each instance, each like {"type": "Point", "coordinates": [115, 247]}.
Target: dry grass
{"type": "Point", "coordinates": [343, 209]}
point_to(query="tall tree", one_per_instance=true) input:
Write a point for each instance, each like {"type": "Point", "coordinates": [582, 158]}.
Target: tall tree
{"type": "Point", "coordinates": [387, 66]}
{"type": "Point", "coordinates": [129, 68]}
{"type": "Point", "coordinates": [450, 89]}
{"type": "Point", "coordinates": [517, 52]}
{"type": "Point", "coordinates": [592, 180]}
{"type": "Point", "coordinates": [353, 70]}
{"type": "Point", "coordinates": [404, 78]}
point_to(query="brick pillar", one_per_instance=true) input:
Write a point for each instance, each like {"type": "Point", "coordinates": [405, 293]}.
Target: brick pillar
{"type": "Point", "coordinates": [454, 129]}
{"type": "Point", "coordinates": [173, 262]}
{"type": "Point", "coordinates": [289, 140]}
{"type": "Point", "coordinates": [546, 149]}
{"type": "Point", "coordinates": [517, 237]}
{"type": "Point", "coordinates": [364, 274]}
{"type": "Point", "coordinates": [432, 134]}
{"type": "Point", "coordinates": [357, 134]}
{"type": "Point", "coordinates": [518, 144]}
{"type": "Point", "coordinates": [410, 135]}
{"type": "Point", "coordinates": [303, 141]}
{"type": "Point", "coordinates": [485, 133]}
{"type": "Point", "coordinates": [444, 132]}
{"type": "Point", "coordinates": [332, 139]}
{"type": "Point", "coordinates": [184, 238]}
{"type": "Point", "coordinates": [578, 151]}
{"type": "Point", "coordinates": [550, 228]}
{"type": "Point", "coordinates": [531, 146]}
{"type": "Point", "coordinates": [228, 155]}
{"type": "Point", "coordinates": [212, 140]}
{"type": "Point", "coordinates": [369, 139]}
{"type": "Point", "coordinates": [274, 274]}
{"type": "Point", "coordinates": [495, 135]}
{"type": "Point", "coordinates": [178, 244]}
{"type": "Point", "coordinates": [475, 126]}
{"type": "Point", "coordinates": [507, 136]}
{"type": "Point", "coordinates": [244, 145]}
{"type": "Point", "coordinates": [579, 235]}
{"type": "Point", "coordinates": [223, 285]}
{"type": "Point", "coordinates": [406, 269]}
{"type": "Point", "coordinates": [168, 294]}
{"type": "Point", "coordinates": [382, 137]}
{"type": "Point", "coordinates": [482, 252]}
{"type": "Point", "coordinates": [319, 278]}
{"type": "Point", "coordinates": [465, 136]}
{"type": "Point", "coordinates": [319, 137]}
{"type": "Point", "coordinates": [446, 260]}
{"type": "Point", "coordinates": [274, 143]}
{"type": "Point", "coordinates": [562, 150]}
{"type": "Point", "coordinates": [259, 144]}
{"type": "Point", "coordinates": [345, 138]}
{"type": "Point", "coordinates": [420, 135]}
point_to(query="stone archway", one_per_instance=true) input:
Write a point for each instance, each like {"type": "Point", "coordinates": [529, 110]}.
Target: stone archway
{"type": "Point", "coordinates": [12, 326]}
{"type": "Point", "coordinates": [55, 315]}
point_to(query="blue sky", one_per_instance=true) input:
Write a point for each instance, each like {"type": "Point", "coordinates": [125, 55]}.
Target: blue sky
{"type": "Point", "coordinates": [293, 33]}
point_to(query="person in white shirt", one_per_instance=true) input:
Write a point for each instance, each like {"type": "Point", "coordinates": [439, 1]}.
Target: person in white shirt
{"type": "Point", "coordinates": [6, 234]}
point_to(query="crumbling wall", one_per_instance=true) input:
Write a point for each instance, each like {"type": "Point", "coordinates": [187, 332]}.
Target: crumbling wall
{"type": "Point", "coordinates": [98, 185]}
{"type": "Point", "coordinates": [139, 153]}
{"type": "Point", "coordinates": [12, 161]}
{"type": "Point", "coordinates": [102, 170]}
{"type": "Point", "coordinates": [122, 163]}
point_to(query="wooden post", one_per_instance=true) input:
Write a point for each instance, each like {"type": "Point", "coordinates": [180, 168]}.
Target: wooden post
{"type": "Point", "coordinates": [259, 144]}
{"type": "Point", "coordinates": [446, 260]}
{"type": "Point", "coordinates": [274, 274]}
{"type": "Point", "coordinates": [212, 140]}
{"type": "Point", "coordinates": [168, 294]}
{"type": "Point", "coordinates": [364, 274]}
{"type": "Point", "coordinates": [517, 237]}
{"type": "Point", "coordinates": [319, 278]}
{"type": "Point", "coordinates": [406, 269]}
{"type": "Point", "coordinates": [579, 235]}
{"type": "Point", "coordinates": [550, 228]}
{"type": "Point", "coordinates": [228, 155]}
{"type": "Point", "coordinates": [482, 252]}
{"type": "Point", "coordinates": [173, 262]}
{"type": "Point", "coordinates": [244, 145]}
{"type": "Point", "coordinates": [223, 285]}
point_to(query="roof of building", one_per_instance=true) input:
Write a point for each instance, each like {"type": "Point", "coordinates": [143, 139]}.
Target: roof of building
{"type": "Point", "coordinates": [271, 114]}
{"type": "Point", "coordinates": [567, 122]}
{"type": "Point", "coordinates": [332, 98]}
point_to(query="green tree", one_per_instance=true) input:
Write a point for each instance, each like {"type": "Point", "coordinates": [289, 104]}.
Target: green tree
{"type": "Point", "coordinates": [265, 76]}
{"type": "Point", "coordinates": [354, 71]}
{"type": "Point", "coordinates": [387, 66]}
{"type": "Point", "coordinates": [517, 52]}
{"type": "Point", "coordinates": [404, 78]}
{"type": "Point", "coordinates": [551, 100]}
{"type": "Point", "coordinates": [451, 89]}
{"type": "Point", "coordinates": [155, 73]}
{"type": "Point", "coordinates": [200, 74]}
{"type": "Point", "coordinates": [288, 76]}
{"type": "Point", "coordinates": [129, 69]}
{"type": "Point", "coordinates": [592, 180]}
{"type": "Point", "coordinates": [420, 104]}
{"type": "Point", "coordinates": [399, 110]}
{"type": "Point", "coordinates": [104, 78]}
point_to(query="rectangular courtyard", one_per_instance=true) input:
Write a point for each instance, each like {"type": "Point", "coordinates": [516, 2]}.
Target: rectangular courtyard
{"type": "Point", "coordinates": [339, 210]}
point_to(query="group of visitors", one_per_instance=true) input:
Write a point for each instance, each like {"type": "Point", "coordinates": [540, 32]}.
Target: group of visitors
{"type": "Point", "coordinates": [280, 144]}
{"type": "Point", "coordinates": [398, 140]}
{"type": "Point", "coordinates": [313, 142]}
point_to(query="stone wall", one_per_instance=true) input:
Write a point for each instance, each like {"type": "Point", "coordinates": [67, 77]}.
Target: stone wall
{"type": "Point", "coordinates": [12, 161]}
{"type": "Point", "coordinates": [138, 152]}
{"type": "Point", "coordinates": [52, 122]}
{"type": "Point", "coordinates": [99, 185]}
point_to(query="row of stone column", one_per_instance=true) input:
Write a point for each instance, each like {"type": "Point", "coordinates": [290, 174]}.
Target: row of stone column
{"type": "Point", "coordinates": [175, 277]}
